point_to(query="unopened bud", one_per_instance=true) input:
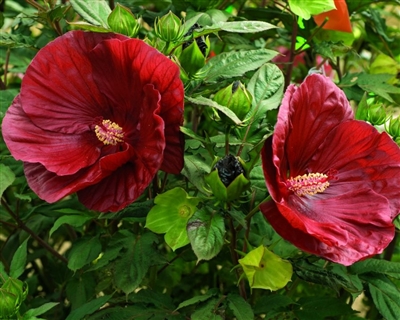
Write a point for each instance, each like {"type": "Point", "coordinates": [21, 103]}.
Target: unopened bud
{"type": "Point", "coordinates": [169, 27]}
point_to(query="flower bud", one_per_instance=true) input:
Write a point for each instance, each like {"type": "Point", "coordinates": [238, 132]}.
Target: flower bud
{"type": "Point", "coordinates": [16, 287]}
{"type": "Point", "coordinates": [192, 58]}
{"type": "Point", "coordinates": [168, 28]}
{"type": "Point", "coordinates": [121, 20]}
{"type": "Point", "coordinates": [394, 127]}
{"type": "Point", "coordinates": [376, 114]}
{"type": "Point", "coordinates": [228, 180]}
{"type": "Point", "coordinates": [8, 304]}
{"type": "Point", "coordinates": [236, 98]}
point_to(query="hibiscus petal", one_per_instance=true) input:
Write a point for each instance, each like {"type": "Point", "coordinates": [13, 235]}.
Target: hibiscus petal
{"type": "Point", "coordinates": [363, 158]}
{"type": "Point", "coordinates": [128, 182]}
{"type": "Point", "coordinates": [58, 92]}
{"type": "Point", "coordinates": [147, 66]}
{"type": "Point", "coordinates": [344, 229]}
{"type": "Point", "coordinates": [307, 114]}
{"type": "Point", "coordinates": [59, 153]}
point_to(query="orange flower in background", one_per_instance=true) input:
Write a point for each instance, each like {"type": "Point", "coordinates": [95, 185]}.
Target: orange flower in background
{"type": "Point", "coordinates": [338, 18]}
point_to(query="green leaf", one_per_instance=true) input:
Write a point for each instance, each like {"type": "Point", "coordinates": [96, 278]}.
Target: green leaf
{"type": "Point", "coordinates": [40, 310]}
{"type": "Point", "coordinates": [80, 288]}
{"type": "Point", "coordinates": [237, 26]}
{"type": "Point", "coordinates": [74, 221]}
{"type": "Point", "coordinates": [6, 98]}
{"type": "Point", "coordinates": [88, 308]}
{"type": "Point", "coordinates": [272, 305]}
{"type": "Point", "coordinates": [89, 27]}
{"type": "Point", "coordinates": [377, 83]}
{"type": "Point", "coordinates": [3, 273]}
{"type": "Point", "coordinates": [240, 308]}
{"type": "Point", "coordinates": [389, 268]}
{"type": "Point", "coordinates": [16, 40]}
{"type": "Point", "coordinates": [121, 20]}
{"type": "Point", "coordinates": [206, 311]}
{"type": "Point", "coordinates": [95, 12]}
{"type": "Point", "coordinates": [266, 87]}
{"type": "Point", "coordinates": [385, 294]}
{"type": "Point", "coordinates": [130, 270]}
{"type": "Point", "coordinates": [84, 251]}
{"type": "Point", "coordinates": [206, 231]}
{"type": "Point", "coordinates": [211, 103]}
{"type": "Point", "coordinates": [235, 64]}
{"type": "Point", "coordinates": [7, 177]}
{"type": "Point", "coordinates": [321, 308]}
{"type": "Point", "coordinates": [195, 300]}
{"type": "Point", "coordinates": [313, 7]}
{"type": "Point", "coordinates": [194, 170]}
{"type": "Point", "coordinates": [335, 277]}
{"type": "Point", "coordinates": [18, 261]}
{"type": "Point", "coordinates": [170, 215]}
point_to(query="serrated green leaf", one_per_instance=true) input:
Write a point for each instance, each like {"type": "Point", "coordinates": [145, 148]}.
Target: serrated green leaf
{"type": "Point", "coordinates": [206, 231]}
{"type": "Point", "coordinates": [16, 40]}
{"type": "Point", "coordinates": [235, 64]}
{"type": "Point", "coordinates": [389, 268]}
{"type": "Point", "coordinates": [7, 177]}
{"type": "Point", "coordinates": [313, 7]}
{"type": "Point", "coordinates": [89, 27]}
{"type": "Point", "coordinates": [206, 311]}
{"type": "Point", "coordinates": [130, 270]}
{"type": "Point", "coordinates": [74, 221]}
{"type": "Point", "coordinates": [18, 261]}
{"type": "Point", "coordinates": [321, 308]}
{"type": "Point", "coordinates": [211, 103]}
{"type": "Point", "coordinates": [266, 87]}
{"type": "Point", "coordinates": [194, 170]}
{"type": "Point", "coordinates": [237, 26]}
{"type": "Point", "coordinates": [170, 215]}
{"type": "Point", "coordinates": [95, 12]}
{"type": "Point", "coordinates": [40, 310]}
{"type": "Point", "coordinates": [88, 308]}
{"type": "Point", "coordinates": [270, 304]}
{"type": "Point", "coordinates": [83, 251]}
{"type": "Point", "coordinates": [385, 294]}
{"type": "Point", "coordinates": [195, 300]}
{"type": "Point", "coordinates": [377, 83]}
{"type": "Point", "coordinates": [80, 289]}
{"type": "Point", "coordinates": [240, 308]}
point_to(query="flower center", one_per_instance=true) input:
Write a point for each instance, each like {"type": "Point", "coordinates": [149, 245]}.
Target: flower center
{"type": "Point", "coordinates": [109, 132]}
{"type": "Point", "coordinates": [308, 184]}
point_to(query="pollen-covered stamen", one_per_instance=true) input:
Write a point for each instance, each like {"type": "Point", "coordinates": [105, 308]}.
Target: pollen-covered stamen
{"type": "Point", "coordinates": [308, 184]}
{"type": "Point", "coordinates": [109, 132]}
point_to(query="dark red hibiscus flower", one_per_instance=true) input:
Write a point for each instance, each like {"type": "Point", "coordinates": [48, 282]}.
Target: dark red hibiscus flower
{"type": "Point", "coordinates": [334, 180]}
{"type": "Point", "coordinates": [98, 114]}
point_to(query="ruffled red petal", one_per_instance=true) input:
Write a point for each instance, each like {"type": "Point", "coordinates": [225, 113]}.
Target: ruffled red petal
{"type": "Point", "coordinates": [147, 66]}
{"type": "Point", "coordinates": [58, 152]}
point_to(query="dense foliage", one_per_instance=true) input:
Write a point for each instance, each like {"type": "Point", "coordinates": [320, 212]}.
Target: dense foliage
{"type": "Point", "coordinates": [218, 159]}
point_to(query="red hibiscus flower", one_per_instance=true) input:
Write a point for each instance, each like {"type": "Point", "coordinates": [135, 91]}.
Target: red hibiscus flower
{"type": "Point", "coordinates": [98, 114]}
{"type": "Point", "coordinates": [334, 181]}
{"type": "Point", "coordinates": [338, 18]}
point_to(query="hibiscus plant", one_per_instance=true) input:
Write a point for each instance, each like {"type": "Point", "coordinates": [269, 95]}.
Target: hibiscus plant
{"type": "Point", "coordinates": [216, 159]}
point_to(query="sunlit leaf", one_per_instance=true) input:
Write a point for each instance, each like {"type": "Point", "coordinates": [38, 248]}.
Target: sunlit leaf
{"type": "Point", "coordinates": [314, 7]}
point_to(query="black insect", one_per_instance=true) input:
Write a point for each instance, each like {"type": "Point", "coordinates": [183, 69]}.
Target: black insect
{"type": "Point", "coordinates": [200, 40]}
{"type": "Point", "coordinates": [228, 169]}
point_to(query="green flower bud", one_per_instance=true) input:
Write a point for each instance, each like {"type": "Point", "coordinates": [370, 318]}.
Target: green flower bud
{"type": "Point", "coordinates": [8, 304]}
{"type": "Point", "coordinates": [192, 59]}
{"type": "Point", "coordinates": [376, 114]}
{"type": "Point", "coordinates": [228, 179]}
{"type": "Point", "coordinates": [16, 287]}
{"type": "Point", "coordinates": [236, 98]}
{"type": "Point", "coordinates": [394, 127]}
{"type": "Point", "coordinates": [121, 20]}
{"type": "Point", "coordinates": [168, 28]}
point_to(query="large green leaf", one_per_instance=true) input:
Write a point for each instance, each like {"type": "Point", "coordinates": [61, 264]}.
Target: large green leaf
{"type": "Point", "coordinates": [206, 232]}
{"type": "Point", "coordinates": [240, 308]}
{"type": "Point", "coordinates": [7, 177]}
{"type": "Point", "coordinates": [314, 7]}
{"type": "Point", "coordinates": [31, 313]}
{"type": "Point", "coordinates": [72, 220]}
{"type": "Point", "coordinates": [235, 64]}
{"type": "Point", "coordinates": [18, 261]}
{"type": "Point", "coordinates": [95, 12]}
{"type": "Point", "coordinates": [88, 308]}
{"type": "Point", "coordinates": [84, 251]}
{"type": "Point", "coordinates": [195, 300]}
{"type": "Point", "coordinates": [236, 26]}
{"type": "Point", "coordinates": [385, 294]}
{"type": "Point", "coordinates": [130, 270]}
{"type": "Point", "coordinates": [206, 311]}
{"type": "Point", "coordinates": [389, 268]}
